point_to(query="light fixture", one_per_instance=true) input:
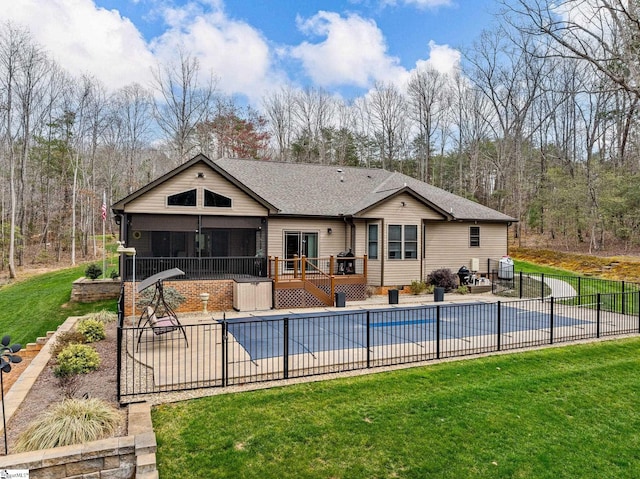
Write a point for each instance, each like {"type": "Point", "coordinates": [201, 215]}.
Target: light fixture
{"type": "Point", "coordinates": [403, 203]}
{"type": "Point", "coordinates": [200, 175]}
{"type": "Point", "coordinates": [329, 231]}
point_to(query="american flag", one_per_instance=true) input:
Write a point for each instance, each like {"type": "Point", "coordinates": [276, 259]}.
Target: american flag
{"type": "Point", "coordinates": [103, 209]}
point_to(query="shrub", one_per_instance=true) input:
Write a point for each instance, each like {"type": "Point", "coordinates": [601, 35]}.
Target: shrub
{"type": "Point", "coordinates": [78, 359]}
{"type": "Point", "coordinates": [72, 421]}
{"type": "Point", "coordinates": [418, 287]}
{"type": "Point", "coordinates": [443, 278]}
{"type": "Point", "coordinates": [93, 271]}
{"type": "Point", "coordinates": [92, 329]}
{"type": "Point", "coordinates": [463, 289]}
{"type": "Point", "coordinates": [64, 339]}
{"type": "Point", "coordinates": [171, 296]}
{"type": "Point", "coordinates": [68, 381]}
{"type": "Point", "coordinates": [104, 316]}
{"type": "Point", "coordinates": [114, 274]}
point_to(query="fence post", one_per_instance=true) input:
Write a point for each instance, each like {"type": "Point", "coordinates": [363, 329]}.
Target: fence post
{"type": "Point", "coordinates": [624, 302]}
{"type": "Point", "coordinates": [638, 311]}
{"type": "Point", "coordinates": [225, 351]}
{"type": "Point", "coordinates": [438, 332]}
{"type": "Point", "coordinates": [499, 322]}
{"type": "Point", "coordinates": [119, 362]}
{"type": "Point", "coordinates": [368, 339]}
{"type": "Point", "coordinates": [598, 316]}
{"type": "Point", "coordinates": [551, 322]}
{"type": "Point", "coordinates": [520, 284]}
{"type": "Point", "coordinates": [579, 290]}
{"type": "Point", "coordinates": [542, 287]}
{"type": "Point", "coordinates": [285, 353]}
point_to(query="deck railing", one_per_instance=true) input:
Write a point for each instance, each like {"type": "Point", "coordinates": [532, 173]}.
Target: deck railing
{"type": "Point", "coordinates": [196, 268]}
{"type": "Point", "coordinates": [295, 268]}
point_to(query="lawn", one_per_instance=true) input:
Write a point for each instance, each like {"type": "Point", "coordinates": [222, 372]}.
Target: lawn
{"type": "Point", "coordinates": [31, 307]}
{"type": "Point", "coordinates": [584, 285]}
{"type": "Point", "coordinates": [556, 413]}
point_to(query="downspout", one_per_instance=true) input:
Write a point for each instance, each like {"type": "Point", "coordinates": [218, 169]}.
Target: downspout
{"type": "Point", "coordinates": [352, 233]}
{"type": "Point", "coordinates": [382, 252]}
{"type": "Point", "coordinates": [424, 249]}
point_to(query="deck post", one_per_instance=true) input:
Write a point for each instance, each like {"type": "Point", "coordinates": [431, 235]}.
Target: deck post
{"type": "Point", "coordinates": [275, 270]}
{"type": "Point", "coordinates": [364, 269]}
{"type": "Point", "coordinates": [332, 289]}
{"type": "Point", "coordinates": [295, 266]}
{"type": "Point", "coordinates": [303, 267]}
{"type": "Point", "coordinates": [331, 265]}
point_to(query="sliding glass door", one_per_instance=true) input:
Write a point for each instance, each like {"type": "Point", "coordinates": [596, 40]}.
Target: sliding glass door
{"type": "Point", "coordinates": [300, 243]}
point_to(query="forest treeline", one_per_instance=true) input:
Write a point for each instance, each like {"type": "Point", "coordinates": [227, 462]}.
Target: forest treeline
{"type": "Point", "coordinates": [539, 121]}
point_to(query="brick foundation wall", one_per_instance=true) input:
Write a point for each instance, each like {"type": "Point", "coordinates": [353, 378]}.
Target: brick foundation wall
{"type": "Point", "coordinates": [220, 295]}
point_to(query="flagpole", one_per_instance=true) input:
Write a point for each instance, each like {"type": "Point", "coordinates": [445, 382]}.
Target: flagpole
{"type": "Point", "coordinates": [104, 235]}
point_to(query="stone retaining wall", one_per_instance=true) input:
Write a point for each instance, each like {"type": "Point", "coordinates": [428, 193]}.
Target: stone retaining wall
{"type": "Point", "coordinates": [86, 290]}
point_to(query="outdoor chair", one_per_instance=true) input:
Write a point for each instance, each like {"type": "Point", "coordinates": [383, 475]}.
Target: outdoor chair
{"type": "Point", "coordinates": [158, 314]}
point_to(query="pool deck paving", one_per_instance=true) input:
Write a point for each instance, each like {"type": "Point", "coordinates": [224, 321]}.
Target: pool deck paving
{"type": "Point", "coordinates": [202, 361]}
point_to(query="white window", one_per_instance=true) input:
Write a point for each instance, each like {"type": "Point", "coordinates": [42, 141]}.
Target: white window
{"type": "Point", "coordinates": [373, 242]}
{"type": "Point", "coordinates": [474, 236]}
{"type": "Point", "coordinates": [403, 242]}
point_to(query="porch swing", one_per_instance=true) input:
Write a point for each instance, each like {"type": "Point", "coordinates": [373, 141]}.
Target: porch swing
{"type": "Point", "coordinates": [168, 321]}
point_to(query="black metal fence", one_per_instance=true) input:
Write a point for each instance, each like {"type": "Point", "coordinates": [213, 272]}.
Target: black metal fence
{"type": "Point", "coordinates": [536, 285]}
{"type": "Point", "coordinates": [223, 352]}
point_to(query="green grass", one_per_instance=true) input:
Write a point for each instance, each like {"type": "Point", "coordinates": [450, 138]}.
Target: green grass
{"type": "Point", "coordinates": [31, 307]}
{"type": "Point", "coordinates": [527, 267]}
{"type": "Point", "coordinates": [584, 286]}
{"type": "Point", "coordinates": [556, 413]}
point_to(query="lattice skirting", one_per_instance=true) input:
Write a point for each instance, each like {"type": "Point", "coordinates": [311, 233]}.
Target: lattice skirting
{"type": "Point", "coordinates": [300, 298]}
{"type": "Point", "coordinates": [353, 292]}
{"type": "Point", "coordinates": [296, 298]}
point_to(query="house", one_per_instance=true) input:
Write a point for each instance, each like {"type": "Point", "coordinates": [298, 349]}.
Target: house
{"type": "Point", "coordinates": [307, 231]}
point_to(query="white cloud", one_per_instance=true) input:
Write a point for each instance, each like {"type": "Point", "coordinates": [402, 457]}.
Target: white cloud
{"type": "Point", "coordinates": [85, 39]}
{"type": "Point", "coordinates": [234, 51]}
{"type": "Point", "coordinates": [353, 52]}
{"type": "Point", "coordinates": [442, 58]}
{"type": "Point", "coordinates": [422, 4]}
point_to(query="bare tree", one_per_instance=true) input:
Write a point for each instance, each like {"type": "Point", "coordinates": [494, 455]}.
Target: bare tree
{"type": "Point", "coordinates": [312, 111]}
{"type": "Point", "coordinates": [13, 42]}
{"type": "Point", "coordinates": [603, 33]}
{"type": "Point", "coordinates": [427, 91]}
{"type": "Point", "coordinates": [278, 107]}
{"type": "Point", "coordinates": [387, 108]}
{"type": "Point", "coordinates": [185, 100]}
{"type": "Point", "coordinates": [129, 128]}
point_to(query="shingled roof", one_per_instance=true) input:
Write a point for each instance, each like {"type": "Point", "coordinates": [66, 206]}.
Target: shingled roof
{"type": "Point", "coordinates": [302, 189]}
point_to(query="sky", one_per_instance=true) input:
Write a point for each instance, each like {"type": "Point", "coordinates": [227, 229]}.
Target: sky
{"type": "Point", "coordinates": [252, 47]}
